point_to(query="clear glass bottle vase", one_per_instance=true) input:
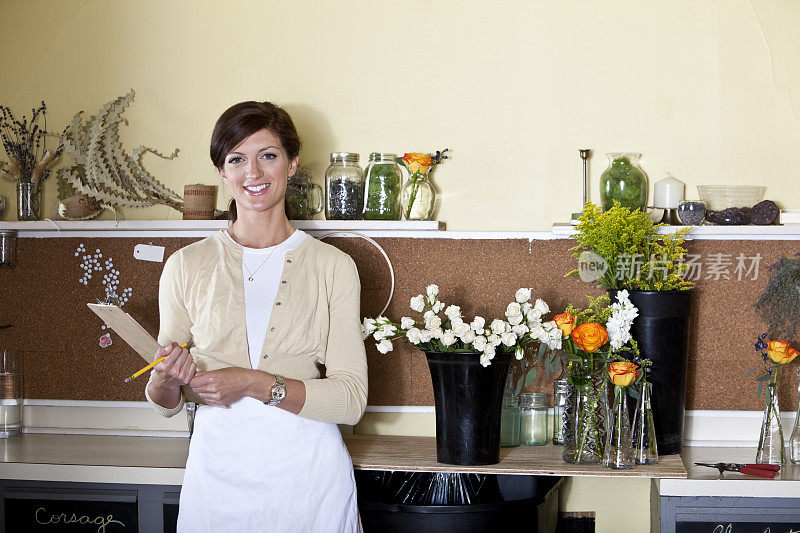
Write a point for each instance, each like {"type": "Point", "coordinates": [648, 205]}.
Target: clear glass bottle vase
{"type": "Point", "coordinates": [770, 442]}
{"type": "Point", "coordinates": [618, 451]}
{"type": "Point", "coordinates": [586, 412]}
{"type": "Point", "coordinates": [417, 198]}
{"type": "Point", "coordinates": [794, 440]}
{"type": "Point", "coordinates": [645, 449]}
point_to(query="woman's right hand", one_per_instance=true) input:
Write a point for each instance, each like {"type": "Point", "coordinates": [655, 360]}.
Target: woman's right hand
{"type": "Point", "coordinates": [176, 369]}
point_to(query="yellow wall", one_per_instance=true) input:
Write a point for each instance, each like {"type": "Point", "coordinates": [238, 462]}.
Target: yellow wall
{"type": "Point", "coordinates": [705, 89]}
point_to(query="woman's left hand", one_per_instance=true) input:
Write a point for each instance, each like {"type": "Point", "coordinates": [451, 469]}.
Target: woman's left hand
{"type": "Point", "coordinates": [223, 386]}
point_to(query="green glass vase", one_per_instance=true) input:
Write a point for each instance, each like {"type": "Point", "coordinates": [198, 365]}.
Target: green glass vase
{"type": "Point", "coordinates": [623, 181]}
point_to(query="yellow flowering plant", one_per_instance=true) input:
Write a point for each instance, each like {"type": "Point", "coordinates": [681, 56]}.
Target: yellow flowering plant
{"type": "Point", "coordinates": [628, 252]}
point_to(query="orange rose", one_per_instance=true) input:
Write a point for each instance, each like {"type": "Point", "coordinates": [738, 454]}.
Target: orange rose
{"type": "Point", "coordinates": [417, 163]}
{"type": "Point", "coordinates": [566, 323]}
{"type": "Point", "coordinates": [780, 352]}
{"type": "Point", "coordinates": [590, 336]}
{"type": "Point", "coordinates": [623, 373]}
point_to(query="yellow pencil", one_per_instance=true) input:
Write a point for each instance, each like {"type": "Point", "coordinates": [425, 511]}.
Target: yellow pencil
{"type": "Point", "coordinates": [151, 365]}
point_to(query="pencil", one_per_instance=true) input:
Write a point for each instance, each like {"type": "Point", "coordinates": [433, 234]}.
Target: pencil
{"type": "Point", "coordinates": [151, 365]}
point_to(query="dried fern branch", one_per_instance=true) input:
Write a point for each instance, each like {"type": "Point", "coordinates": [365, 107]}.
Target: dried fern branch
{"type": "Point", "coordinates": [103, 169]}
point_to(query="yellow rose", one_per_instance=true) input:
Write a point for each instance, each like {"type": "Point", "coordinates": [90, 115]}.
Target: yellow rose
{"type": "Point", "coordinates": [623, 373]}
{"type": "Point", "coordinates": [590, 336]}
{"type": "Point", "coordinates": [780, 352]}
{"type": "Point", "coordinates": [417, 163]}
{"type": "Point", "coordinates": [566, 323]}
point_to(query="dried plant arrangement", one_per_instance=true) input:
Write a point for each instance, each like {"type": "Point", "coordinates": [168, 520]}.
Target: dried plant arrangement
{"type": "Point", "coordinates": [779, 303]}
{"type": "Point", "coordinates": [103, 170]}
{"type": "Point", "coordinates": [25, 144]}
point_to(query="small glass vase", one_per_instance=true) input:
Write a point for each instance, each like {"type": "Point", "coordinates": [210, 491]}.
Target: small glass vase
{"type": "Point", "coordinates": [418, 197]}
{"type": "Point", "coordinates": [770, 443]}
{"type": "Point", "coordinates": [623, 181]}
{"type": "Point", "coordinates": [509, 420]}
{"type": "Point", "coordinates": [587, 411]}
{"type": "Point", "coordinates": [794, 440]}
{"type": "Point", "coordinates": [28, 200]}
{"type": "Point", "coordinates": [618, 451]}
{"type": "Point", "coordinates": [561, 392]}
{"type": "Point", "coordinates": [645, 448]}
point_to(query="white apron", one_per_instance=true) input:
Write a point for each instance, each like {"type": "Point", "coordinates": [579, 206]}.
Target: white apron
{"type": "Point", "coordinates": [254, 468]}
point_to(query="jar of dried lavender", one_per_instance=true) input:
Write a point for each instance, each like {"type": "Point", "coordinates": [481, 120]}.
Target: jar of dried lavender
{"type": "Point", "coordinates": [344, 183]}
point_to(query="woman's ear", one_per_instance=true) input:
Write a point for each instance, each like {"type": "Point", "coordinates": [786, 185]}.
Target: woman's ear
{"type": "Point", "coordinates": [222, 175]}
{"type": "Point", "coordinates": [293, 166]}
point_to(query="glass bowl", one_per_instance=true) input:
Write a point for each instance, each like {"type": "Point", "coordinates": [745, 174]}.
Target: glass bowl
{"type": "Point", "coordinates": [719, 197]}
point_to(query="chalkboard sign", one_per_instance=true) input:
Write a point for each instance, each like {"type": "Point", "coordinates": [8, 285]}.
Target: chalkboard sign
{"type": "Point", "coordinates": [49, 514]}
{"type": "Point", "coordinates": [737, 527]}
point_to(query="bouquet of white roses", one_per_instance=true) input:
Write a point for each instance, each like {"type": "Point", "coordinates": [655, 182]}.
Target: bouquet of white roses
{"type": "Point", "coordinates": [521, 326]}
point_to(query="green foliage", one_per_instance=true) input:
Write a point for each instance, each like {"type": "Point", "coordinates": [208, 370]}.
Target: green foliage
{"type": "Point", "coordinates": [779, 303]}
{"type": "Point", "coordinates": [637, 257]}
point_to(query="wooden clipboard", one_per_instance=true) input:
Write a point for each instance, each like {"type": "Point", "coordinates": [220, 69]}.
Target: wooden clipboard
{"type": "Point", "coordinates": [137, 337]}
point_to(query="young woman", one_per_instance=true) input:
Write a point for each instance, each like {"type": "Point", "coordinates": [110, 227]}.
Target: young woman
{"type": "Point", "coordinates": [264, 306]}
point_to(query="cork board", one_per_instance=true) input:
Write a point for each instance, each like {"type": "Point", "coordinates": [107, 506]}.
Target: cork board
{"type": "Point", "coordinates": [58, 335]}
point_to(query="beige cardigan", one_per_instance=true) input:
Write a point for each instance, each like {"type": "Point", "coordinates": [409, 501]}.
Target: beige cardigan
{"type": "Point", "coordinates": [315, 321]}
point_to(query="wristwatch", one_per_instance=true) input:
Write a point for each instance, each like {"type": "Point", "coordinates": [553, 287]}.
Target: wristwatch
{"type": "Point", "coordinates": [278, 391]}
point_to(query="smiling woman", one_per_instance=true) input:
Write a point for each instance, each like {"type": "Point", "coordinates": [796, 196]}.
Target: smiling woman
{"type": "Point", "coordinates": [264, 306]}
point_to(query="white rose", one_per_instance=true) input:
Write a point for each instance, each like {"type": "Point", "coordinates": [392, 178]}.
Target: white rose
{"type": "Point", "coordinates": [425, 335]}
{"type": "Point", "coordinates": [520, 330]}
{"type": "Point", "coordinates": [519, 353]}
{"type": "Point", "coordinates": [523, 295]}
{"type": "Point", "coordinates": [385, 346]}
{"type": "Point", "coordinates": [538, 332]}
{"type": "Point", "coordinates": [370, 324]}
{"type": "Point", "coordinates": [378, 335]}
{"type": "Point", "coordinates": [432, 291]}
{"type": "Point", "coordinates": [407, 322]}
{"type": "Point", "coordinates": [437, 307]}
{"type": "Point", "coordinates": [461, 329]}
{"type": "Point", "coordinates": [387, 330]}
{"type": "Point", "coordinates": [432, 322]}
{"type": "Point", "coordinates": [485, 360]}
{"type": "Point", "coordinates": [468, 337]}
{"type": "Point", "coordinates": [489, 351]}
{"type": "Point", "coordinates": [448, 339]}
{"type": "Point", "coordinates": [514, 320]}
{"type": "Point", "coordinates": [437, 333]}
{"type": "Point", "coordinates": [541, 306]}
{"type": "Point", "coordinates": [494, 340]}
{"type": "Point", "coordinates": [414, 336]}
{"type": "Point", "coordinates": [509, 339]}
{"type": "Point", "coordinates": [453, 312]}
{"type": "Point", "coordinates": [418, 303]}
{"type": "Point", "coordinates": [533, 316]}
{"type": "Point", "coordinates": [498, 327]}
{"type": "Point", "coordinates": [525, 308]}
{"type": "Point", "coordinates": [513, 309]}
{"type": "Point", "coordinates": [479, 343]}
{"type": "Point", "coordinates": [478, 323]}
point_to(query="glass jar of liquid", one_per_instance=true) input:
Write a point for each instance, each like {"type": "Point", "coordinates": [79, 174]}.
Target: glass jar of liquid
{"type": "Point", "coordinates": [533, 419]}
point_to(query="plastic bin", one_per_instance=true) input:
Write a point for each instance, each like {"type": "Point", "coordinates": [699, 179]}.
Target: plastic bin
{"type": "Point", "coordinates": [391, 502]}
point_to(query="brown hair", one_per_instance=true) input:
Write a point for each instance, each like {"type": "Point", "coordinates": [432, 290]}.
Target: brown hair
{"type": "Point", "coordinates": [244, 119]}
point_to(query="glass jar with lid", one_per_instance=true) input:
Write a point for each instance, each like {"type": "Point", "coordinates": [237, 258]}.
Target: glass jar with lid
{"type": "Point", "coordinates": [382, 185]}
{"type": "Point", "coordinates": [300, 192]}
{"type": "Point", "coordinates": [344, 184]}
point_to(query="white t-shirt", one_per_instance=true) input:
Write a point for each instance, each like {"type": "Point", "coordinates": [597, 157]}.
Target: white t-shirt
{"type": "Point", "coordinates": [265, 267]}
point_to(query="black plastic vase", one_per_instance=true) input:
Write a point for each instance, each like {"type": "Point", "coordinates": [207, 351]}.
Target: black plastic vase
{"type": "Point", "coordinates": [662, 332]}
{"type": "Point", "coordinates": [468, 399]}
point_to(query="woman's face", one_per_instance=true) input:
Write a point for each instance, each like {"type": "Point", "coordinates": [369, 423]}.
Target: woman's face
{"type": "Point", "coordinates": [256, 171]}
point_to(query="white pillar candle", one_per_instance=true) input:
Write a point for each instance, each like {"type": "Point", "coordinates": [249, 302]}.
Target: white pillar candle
{"type": "Point", "coordinates": [668, 193]}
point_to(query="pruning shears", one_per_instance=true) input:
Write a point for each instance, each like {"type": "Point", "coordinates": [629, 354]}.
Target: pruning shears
{"type": "Point", "coordinates": [760, 470]}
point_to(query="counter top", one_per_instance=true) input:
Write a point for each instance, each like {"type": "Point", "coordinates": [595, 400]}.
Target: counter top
{"type": "Point", "coordinates": [706, 481]}
{"type": "Point", "coordinates": [158, 460]}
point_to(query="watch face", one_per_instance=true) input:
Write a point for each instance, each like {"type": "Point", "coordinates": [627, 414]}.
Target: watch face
{"type": "Point", "coordinates": [278, 393]}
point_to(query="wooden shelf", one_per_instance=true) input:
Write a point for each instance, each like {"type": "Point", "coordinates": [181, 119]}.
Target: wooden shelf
{"type": "Point", "coordinates": [721, 233]}
{"type": "Point", "coordinates": [100, 458]}
{"type": "Point", "coordinates": [418, 454]}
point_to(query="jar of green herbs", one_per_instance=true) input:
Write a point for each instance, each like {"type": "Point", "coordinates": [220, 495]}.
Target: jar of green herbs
{"type": "Point", "coordinates": [383, 181]}
{"type": "Point", "coordinates": [623, 181]}
{"type": "Point", "coordinates": [301, 203]}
